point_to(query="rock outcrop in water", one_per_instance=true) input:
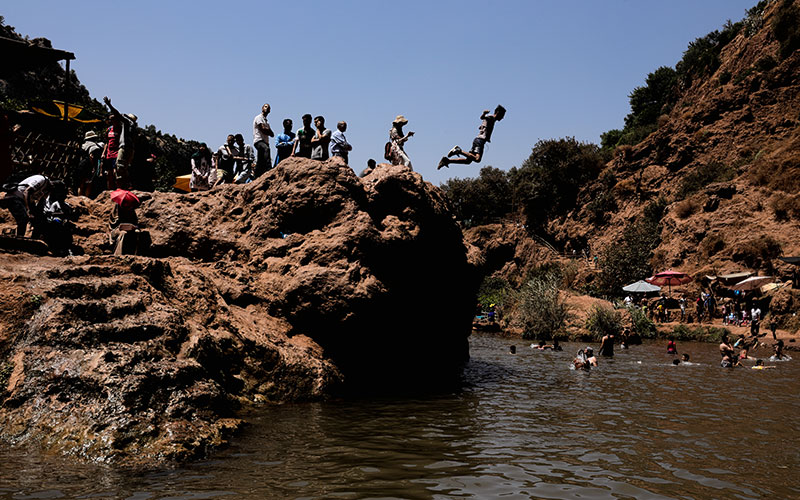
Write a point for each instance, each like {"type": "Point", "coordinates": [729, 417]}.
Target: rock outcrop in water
{"type": "Point", "coordinates": [290, 288]}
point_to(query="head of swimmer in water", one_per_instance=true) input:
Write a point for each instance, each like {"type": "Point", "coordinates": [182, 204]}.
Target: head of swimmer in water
{"type": "Point", "coordinates": [685, 357]}
{"type": "Point", "coordinates": [512, 349]}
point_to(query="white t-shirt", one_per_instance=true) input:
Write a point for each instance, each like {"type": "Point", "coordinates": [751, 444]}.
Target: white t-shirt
{"type": "Point", "coordinates": [257, 134]}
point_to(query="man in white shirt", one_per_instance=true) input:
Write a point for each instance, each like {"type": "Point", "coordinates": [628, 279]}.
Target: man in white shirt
{"type": "Point", "coordinates": [26, 200]}
{"type": "Point", "coordinates": [339, 145]}
{"type": "Point", "coordinates": [261, 134]}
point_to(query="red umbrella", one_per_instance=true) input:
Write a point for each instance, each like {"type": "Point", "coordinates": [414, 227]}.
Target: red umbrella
{"type": "Point", "coordinates": [669, 278]}
{"type": "Point", "coordinates": [124, 198]}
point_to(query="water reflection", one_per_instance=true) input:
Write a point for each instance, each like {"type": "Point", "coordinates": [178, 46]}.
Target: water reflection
{"type": "Point", "coordinates": [520, 426]}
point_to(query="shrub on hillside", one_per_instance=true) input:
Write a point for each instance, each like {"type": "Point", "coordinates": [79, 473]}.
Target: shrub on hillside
{"type": "Point", "coordinates": [684, 333]}
{"type": "Point", "coordinates": [603, 321]}
{"type": "Point", "coordinates": [543, 311]}
{"type": "Point", "coordinates": [758, 253]}
{"type": "Point", "coordinates": [493, 290]}
{"type": "Point", "coordinates": [641, 324]}
{"type": "Point", "coordinates": [786, 28]}
{"type": "Point", "coordinates": [479, 200]}
{"type": "Point", "coordinates": [548, 181]}
{"type": "Point", "coordinates": [702, 56]}
{"type": "Point", "coordinates": [628, 259]}
{"type": "Point", "coordinates": [712, 245]}
{"type": "Point", "coordinates": [786, 207]}
{"type": "Point", "coordinates": [704, 174]}
{"type": "Point", "coordinates": [686, 208]}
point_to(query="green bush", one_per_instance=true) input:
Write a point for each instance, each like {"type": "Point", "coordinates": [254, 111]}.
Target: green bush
{"type": "Point", "coordinates": [786, 207]}
{"type": "Point", "coordinates": [786, 28]}
{"type": "Point", "coordinates": [628, 258]}
{"type": "Point", "coordinates": [641, 324]}
{"type": "Point", "coordinates": [493, 291]}
{"type": "Point", "coordinates": [766, 63]}
{"type": "Point", "coordinates": [603, 321]}
{"type": "Point", "coordinates": [703, 175]}
{"type": "Point", "coordinates": [543, 311]}
{"type": "Point", "coordinates": [702, 56]}
{"type": "Point", "coordinates": [479, 200]}
{"type": "Point", "coordinates": [600, 207]}
{"type": "Point", "coordinates": [701, 333]}
{"type": "Point", "coordinates": [724, 77]}
{"type": "Point", "coordinates": [758, 253]}
{"type": "Point", "coordinates": [548, 181]}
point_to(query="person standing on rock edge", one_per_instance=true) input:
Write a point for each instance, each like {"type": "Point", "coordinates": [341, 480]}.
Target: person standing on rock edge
{"type": "Point", "coordinates": [284, 143]}
{"type": "Point", "coordinates": [302, 143]}
{"type": "Point", "coordinates": [261, 134]}
{"type": "Point", "coordinates": [397, 140]}
{"type": "Point", "coordinates": [484, 135]}
{"type": "Point", "coordinates": [127, 144]}
{"type": "Point", "coordinates": [339, 145]}
{"type": "Point", "coordinates": [320, 141]}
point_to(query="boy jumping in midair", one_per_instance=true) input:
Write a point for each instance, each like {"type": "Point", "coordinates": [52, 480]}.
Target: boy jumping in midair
{"type": "Point", "coordinates": [484, 135]}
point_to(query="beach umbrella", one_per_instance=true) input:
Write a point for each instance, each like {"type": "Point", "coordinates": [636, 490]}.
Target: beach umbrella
{"type": "Point", "coordinates": [752, 283]}
{"type": "Point", "coordinates": [669, 278]}
{"type": "Point", "coordinates": [641, 286]}
{"type": "Point", "coordinates": [124, 198]}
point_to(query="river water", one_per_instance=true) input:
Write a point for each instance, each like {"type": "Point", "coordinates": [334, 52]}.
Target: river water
{"type": "Point", "coordinates": [520, 426]}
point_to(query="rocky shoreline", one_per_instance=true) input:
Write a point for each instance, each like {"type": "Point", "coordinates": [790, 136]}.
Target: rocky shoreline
{"type": "Point", "coordinates": [307, 282]}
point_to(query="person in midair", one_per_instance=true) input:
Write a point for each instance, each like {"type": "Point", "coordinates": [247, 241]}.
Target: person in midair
{"type": "Point", "coordinates": [484, 135]}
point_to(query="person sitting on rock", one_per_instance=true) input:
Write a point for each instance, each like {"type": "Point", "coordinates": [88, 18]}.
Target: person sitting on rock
{"type": "Point", "coordinates": [204, 172]}
{"type": "Point", "coordinates": [126, 236]}
{"type": "Point", "coordinates": [56, 229]}
{"type": "Point", "coordinates": [244, 158]}
{"type": "Point", "coordinates": [25, 200]}
{"type": "Point", "coordinates": [225, 156]}
{"type": "Point", "coordinates": [484, 135]}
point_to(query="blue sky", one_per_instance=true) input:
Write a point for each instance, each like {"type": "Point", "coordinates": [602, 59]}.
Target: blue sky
{"type": "Point", "coordinates": [201, 69]}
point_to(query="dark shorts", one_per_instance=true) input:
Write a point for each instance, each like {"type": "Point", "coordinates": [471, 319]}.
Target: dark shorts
{"type": "Point", "coordinates": [477, 146]}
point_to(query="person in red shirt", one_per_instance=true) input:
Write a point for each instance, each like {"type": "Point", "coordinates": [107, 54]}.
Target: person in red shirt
{"type": "Point", "coordinates": [111, 151]}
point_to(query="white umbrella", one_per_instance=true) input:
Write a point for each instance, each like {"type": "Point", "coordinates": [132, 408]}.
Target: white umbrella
{"type": "Point", "coordinates": [752, 283]}
{"type": "Point", "coordinates": [641, 287]}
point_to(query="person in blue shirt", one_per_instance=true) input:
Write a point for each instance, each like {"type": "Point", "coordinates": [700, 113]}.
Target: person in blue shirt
{"type": "Point", "coordinates": [284, 142]}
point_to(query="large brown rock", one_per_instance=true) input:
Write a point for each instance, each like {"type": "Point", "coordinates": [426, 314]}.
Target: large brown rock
{"type": "Point", "coordinates": [305, 282]}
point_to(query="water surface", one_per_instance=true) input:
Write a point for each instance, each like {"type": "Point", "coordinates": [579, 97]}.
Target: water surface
{"type": "Point", "coordinates": [521, 426]}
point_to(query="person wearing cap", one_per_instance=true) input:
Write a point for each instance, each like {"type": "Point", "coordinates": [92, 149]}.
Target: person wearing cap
{"type": "Point", "coordinates": [397, 139]}
{"type": "Point", "coordinates": [484, 135]}
{"type": "Point", "coordinates": [127, 145]}
{"type": "Point", "coordinates": [261, 134]}
{"type": "Point", "coordinates": [93, 155]}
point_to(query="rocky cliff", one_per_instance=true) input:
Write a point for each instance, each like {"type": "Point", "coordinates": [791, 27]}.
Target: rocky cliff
{"type": "Point", "coordinates": [304, 283]}
{"type": "Point", "coordinates": [726, 158]}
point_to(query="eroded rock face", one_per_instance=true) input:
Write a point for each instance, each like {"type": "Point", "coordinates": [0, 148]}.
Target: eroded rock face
{"type": "Point", "coordinates": [290, 288]}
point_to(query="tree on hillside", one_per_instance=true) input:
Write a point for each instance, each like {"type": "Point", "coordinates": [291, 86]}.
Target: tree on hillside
{"type": "Point", "coordinates": [548, 182]}
{"type": "Point", "coordinates": [479, 200]}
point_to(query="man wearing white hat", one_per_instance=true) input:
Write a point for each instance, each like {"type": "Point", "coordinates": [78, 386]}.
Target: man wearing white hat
{"type": "Point", "coordinates": [397, 139]}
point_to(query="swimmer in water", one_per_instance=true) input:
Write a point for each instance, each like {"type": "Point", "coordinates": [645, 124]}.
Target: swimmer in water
{"type": "Point", "coordinates": [582, 360]}
{"type": "Point", "coordinates": [760, 365]}
{"type": "Point", "coordinates": [685, 358]}
{"type": "Point", "coordinates": [512, 349]}
{"type": "Point", "coordinates": [672, 348]}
